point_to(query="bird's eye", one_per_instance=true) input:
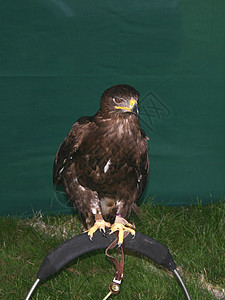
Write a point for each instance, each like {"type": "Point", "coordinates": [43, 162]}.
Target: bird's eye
{"type": "Point", "coordinates": [118, 100]}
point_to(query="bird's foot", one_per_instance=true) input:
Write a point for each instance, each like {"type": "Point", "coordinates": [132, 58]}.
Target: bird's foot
{"type": "Point", "coordinates": [100, 224]}
{"type": "Point", "coordinates": [122, 226]}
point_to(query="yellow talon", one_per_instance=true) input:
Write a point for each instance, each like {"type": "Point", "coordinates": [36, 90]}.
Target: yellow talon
{"type": "Point", "coordinates": [99, 224]}
{"type": "Point", "coordinates": [121, 228]}
{"type": "Point", "coordinates": [122, 225]}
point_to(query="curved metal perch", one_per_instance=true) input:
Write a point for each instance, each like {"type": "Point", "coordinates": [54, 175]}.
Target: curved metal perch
{"type": "Point", "coordinates": [81, 244]}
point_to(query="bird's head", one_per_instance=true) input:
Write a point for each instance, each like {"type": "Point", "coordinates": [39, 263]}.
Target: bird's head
{"type": "Point", "coordinates": [121, 98]}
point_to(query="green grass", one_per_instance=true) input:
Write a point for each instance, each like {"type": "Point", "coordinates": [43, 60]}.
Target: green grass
{"type": "Point", "coordinates": [194, 235]}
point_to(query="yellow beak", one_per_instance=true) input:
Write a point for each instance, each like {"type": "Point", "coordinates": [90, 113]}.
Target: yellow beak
{"type": "Point", "coordinates": [132, 107]}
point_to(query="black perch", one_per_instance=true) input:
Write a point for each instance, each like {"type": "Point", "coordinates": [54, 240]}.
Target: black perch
{"type": "Point", "coordinates": [81, 244]}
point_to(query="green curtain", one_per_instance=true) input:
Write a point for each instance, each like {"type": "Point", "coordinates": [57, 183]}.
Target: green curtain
{"type": "Point", "coordinates": [58, 56]}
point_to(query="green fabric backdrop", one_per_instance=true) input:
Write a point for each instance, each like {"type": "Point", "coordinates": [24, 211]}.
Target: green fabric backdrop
{"type": "Point", "coordinates": [58, 56]}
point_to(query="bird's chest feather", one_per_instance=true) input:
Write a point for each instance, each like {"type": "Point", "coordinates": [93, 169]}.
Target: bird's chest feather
{"type": "Point", "coordinates": [108, 156]}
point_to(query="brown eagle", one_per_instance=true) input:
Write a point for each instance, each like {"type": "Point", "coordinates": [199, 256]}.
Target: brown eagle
{"type": "Point", "coordinates": [103, 162]}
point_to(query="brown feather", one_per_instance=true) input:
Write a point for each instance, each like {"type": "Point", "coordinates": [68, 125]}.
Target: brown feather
{"type": "Point", "coordinates": [103, 162]}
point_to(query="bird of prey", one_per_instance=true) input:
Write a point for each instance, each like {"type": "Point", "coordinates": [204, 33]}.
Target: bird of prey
{"type": "Point", "coordinates": [103, 162]}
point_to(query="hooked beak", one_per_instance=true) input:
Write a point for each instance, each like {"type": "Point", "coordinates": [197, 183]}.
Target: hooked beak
{"type": "Point", "coordinates": [133, 107]}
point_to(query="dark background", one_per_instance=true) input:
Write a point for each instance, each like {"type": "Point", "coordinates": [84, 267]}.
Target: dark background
{"type": "Point", "coordinates": [58, 56]}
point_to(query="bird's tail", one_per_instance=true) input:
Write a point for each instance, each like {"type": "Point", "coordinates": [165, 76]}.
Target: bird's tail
{"type": "Point", "coordinates": [136, 209]}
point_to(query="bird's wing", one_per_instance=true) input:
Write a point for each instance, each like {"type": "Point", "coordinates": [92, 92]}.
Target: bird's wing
{"type": "Point", "coordinates": [143, 166]}
{"type": "Point", "coordinates": [69, 146]}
